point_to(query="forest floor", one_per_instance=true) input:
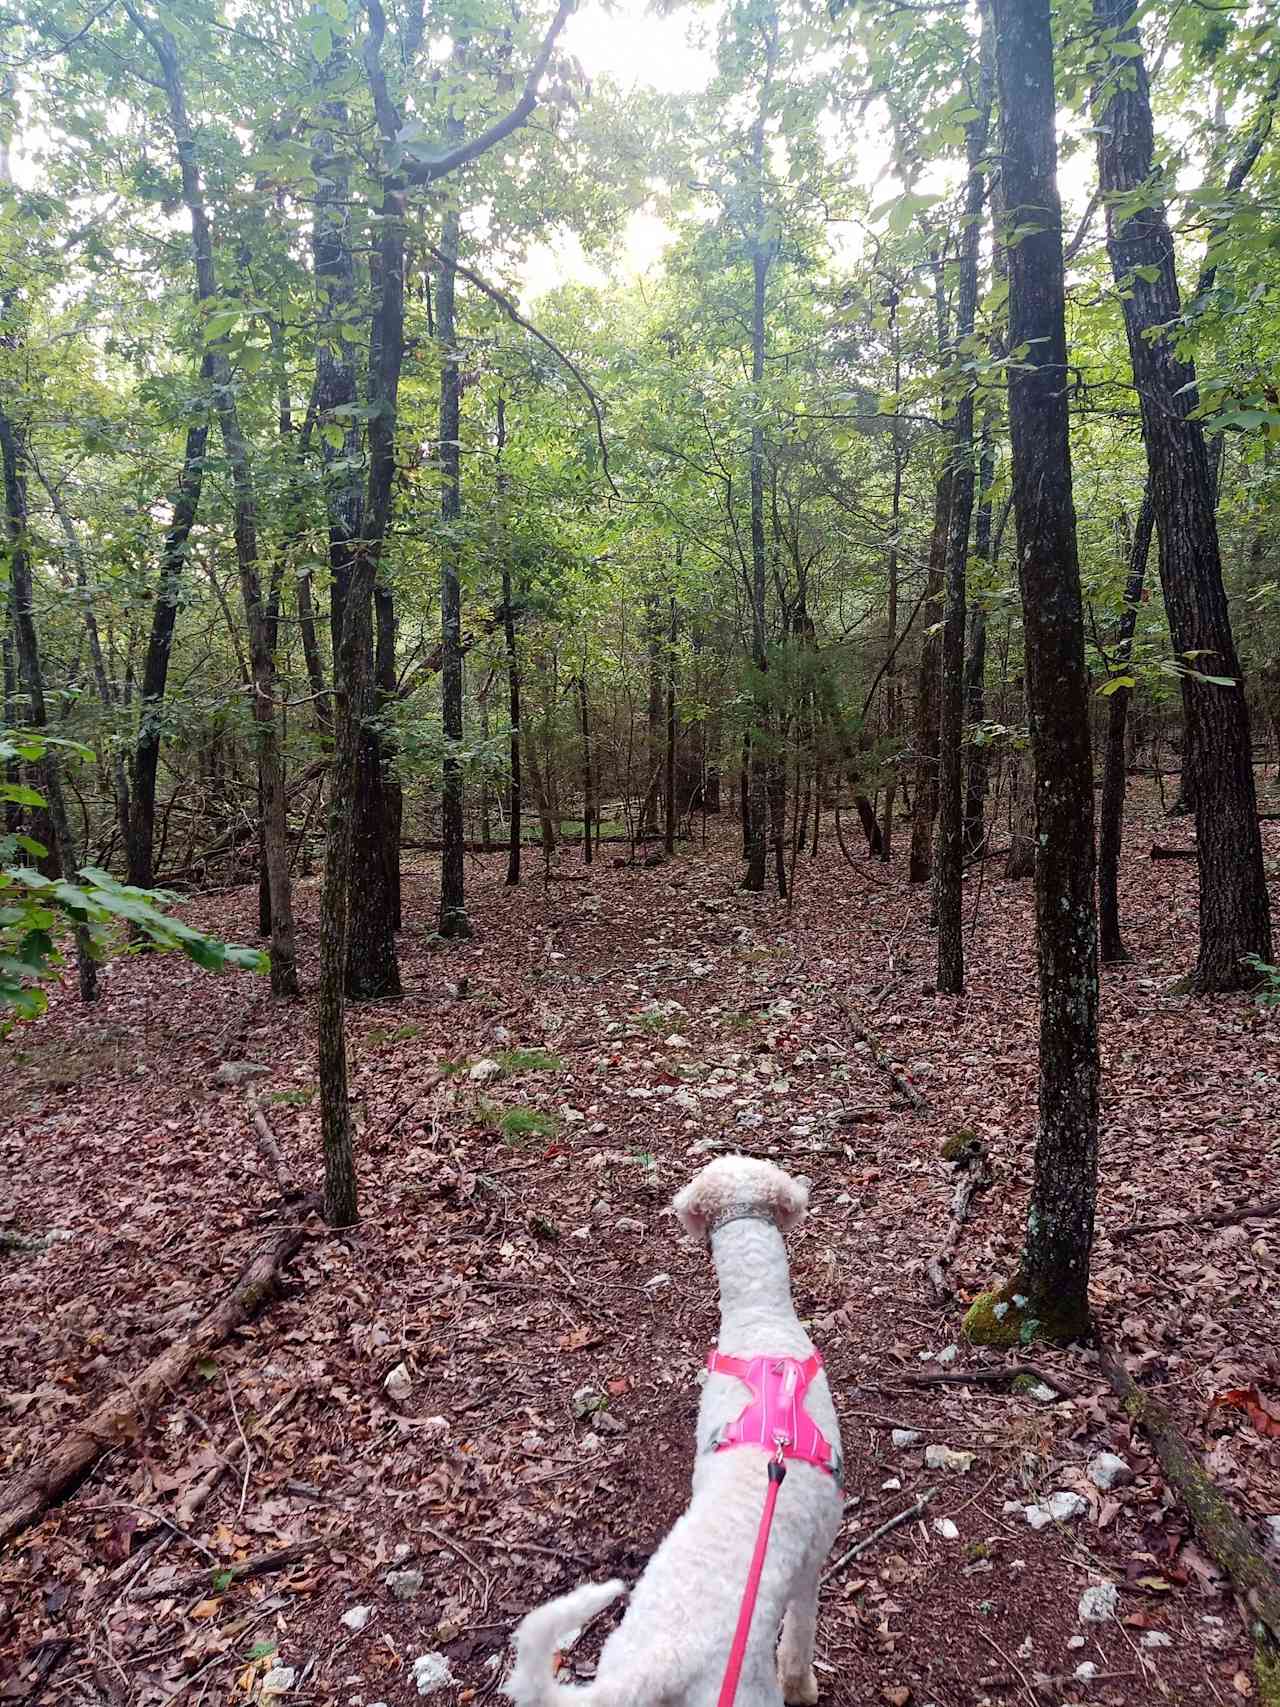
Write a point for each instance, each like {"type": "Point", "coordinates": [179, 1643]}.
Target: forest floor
{"type": "Point", "coordinates": [516, 1256]}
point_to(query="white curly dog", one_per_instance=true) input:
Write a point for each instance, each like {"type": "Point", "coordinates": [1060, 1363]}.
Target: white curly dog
{"type": "Point", "coordinates": [672, 1646]}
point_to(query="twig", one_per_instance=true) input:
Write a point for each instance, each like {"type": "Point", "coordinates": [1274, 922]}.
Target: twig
{"type": "Point", "coordinates": [266, 1140]}
{"type": "Point", "coordinates": [1012, 1664]}
{"type": "Point", "coordinates": [265, 1565]}
{"type": "Point", "coordinates": [876, 1534]}
{"type": "Point", "coordinates": [462, 1554]}
{"type": "Point", "coordinates": [1212, 1218]}
{"type": "Point", "coordinates": [248, 1451]}
{"type": "Point", "coordinates": [990, 1377]}
{"type": "Point", "coordinates": [972, 1175]}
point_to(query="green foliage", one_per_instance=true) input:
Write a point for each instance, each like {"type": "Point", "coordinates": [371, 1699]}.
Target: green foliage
{"type": "Point", "coordinates": [529, 1061]}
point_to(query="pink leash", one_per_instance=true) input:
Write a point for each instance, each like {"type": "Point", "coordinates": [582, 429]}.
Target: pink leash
{"type": "Point", "coordinates": [732, 1672]}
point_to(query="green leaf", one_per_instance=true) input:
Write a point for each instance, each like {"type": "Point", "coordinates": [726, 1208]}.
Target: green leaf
{"type": "Point", "coordinates": [1115, 684]}
{"type": "Point", "coordinates": [20, 794]}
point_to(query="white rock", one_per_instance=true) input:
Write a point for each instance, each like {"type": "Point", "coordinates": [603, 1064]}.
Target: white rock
{"type": "Point", "coordinates": [657, 1283]}
{"type": "Point", "coordinates": [405, 1584]}
{"type": "Point", "coordinates": [279, 1679]}
{"type": "Point", "coordinates": [1038, 1516]}
{"type": "Point", "coordinates": [1107, 1470]}
{"type": "Point", "coordinates": [1098, 1603]}
{"type": "Point", "coordinates": [1273, 1531]}
{"type": "Point", "coordinates": [944, 1527]}
{"type": "Point", "coordinates": [1156, 1639]}
{"type": "Point", "coordinates": [628, 1224]}
{"type": "Point", "coordinates": [1086, 1671]}
{"type": "Point", "coordinates": [483, 1070]}
{"type": "Point", "coordinates": [949, 1355]}
{"type": "Point", "coordinates": [1013, 1508]}
{"type": "Point", "coordinates": [892, 1485]}
{"type": "Point", "coordinates": [938, 1457]}
{"type": "Point", "coordinates": [1064, 1506]}
{"type": "Point", "coordinates": [675, 1041]}
{"type": "Point", "coordinates": [431, 1673]}
{"type": "Point", "coordinates": [402, 1552]}
{"type": "Point", "coordinates": [904, 1437]}
{"type": "Point", "coordinates": [1076, 1641]}
{"type": "Point", "coordinates": [1044, 1394]}
{"type": "Point", "coordinates": [356, 1617]}
{"type": "Point", "coordinates": [1026, 1648]}
{"type": "Point", "coordinates": [398, 1385]}
{"type": "Point", "coordinates": [585, 1400]}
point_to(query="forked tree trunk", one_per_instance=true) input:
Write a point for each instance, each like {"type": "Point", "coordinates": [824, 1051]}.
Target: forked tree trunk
{"type": "Point", "coordinates": [1049, 1296]}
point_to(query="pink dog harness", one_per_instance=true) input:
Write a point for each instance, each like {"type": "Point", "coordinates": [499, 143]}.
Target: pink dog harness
{"type": "Point", "coordinates": [775, 1417]}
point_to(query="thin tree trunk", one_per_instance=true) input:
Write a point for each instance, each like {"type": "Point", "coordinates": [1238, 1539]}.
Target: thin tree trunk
{"type": "Point", "coordinates": [31, 678]}
{"type": "Point", "coordinates": [513, 679]}
{"type": "Point", "coordinates": [670, 781]}
{"type": "Point", "coordinates": [453, 921]}
{"type": "Point", "coordinates": [140, 845]}
{"type": "Point", "coordinates": [975, 673]}
{"type": "Point", "coordinates": [1235, 918]}
{"type": "Point", "coordinates": [588, 778]}
{"type": "Point", "coordinates": [1049, 1296]}
{"type": "Point", "coordinates": [1111, 818]}
{"type": "Point", "coordinates": [919, 863]}
{"type": "Point", "coordinates": [948, 891]}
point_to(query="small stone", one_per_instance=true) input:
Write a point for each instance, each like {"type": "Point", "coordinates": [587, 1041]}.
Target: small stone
{"type": "Point", "coordinates": [657, 1283]}
{"type": "Point", "coordinates": [944, 1527]}
{"type": "Point", "coordinates": [1013, 1508]}
{"type": "Point", "coordinates": [892, 1486]}
{"type": "Point", "coordinates": [584, 1401]}
{"type": "Point", "coordinates": [1064, 1506]}
{"type": "Point", "coordinates": [405, 1584]}
{"type": "Point", "coordinates": [1038, 1516]}
{"type": "Point", "coordinates": [938, 1457]}
{"type": "Point", "coordinates": [279, 1680]}
{"type": "Point", "coordinates": [904, 1437]}
{"type": "Point", "coordinates": [628, 1224]}
{"type": "Point", "coordinates": [1025, 1648]}
{"type": "Point", "coordinates": [1098, 1603]}
{"type": "Point", "coordinates": [1107, 1470]}
{"type": "Point", "coordinates": [609, 1424]}
{"type": "Point", "coordinates": [402, 1552]}
{"type": "Point", "coordinates": [600, 1209]}
{"type": "Point", "coordinates": [675, 1041]}
{"type": "Point", "coordinates": [1043, 1394]}
{"type": "Point", "coordinates": [398, 1385]}
{"type": "Point", "coordinates": [1076, 1641]}
{"type": "Point", "coordinates": [483, 1070]}
{"type": "Point", "coordinates": [1086, 1671]}
{"type": "Point", "coordinates": [357, 1617]}
{"type": "Point", "coordinates": [949, 1355]}
{"type": "Point", "coordinates": [590, 1442]}
{"type": "Point", "coordinates": [431, 1673]}
{"type": "Point", "coordinates": [239, 1073]}
{"type": "Point", "coordinates": [1156, 1639]}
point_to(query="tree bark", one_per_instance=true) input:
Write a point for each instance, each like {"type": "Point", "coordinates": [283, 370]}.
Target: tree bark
{"type": "Point", "coordinates": [669, 789]}
{"type": "Point", "coordinates": [588, 773]}
{"type": "Point", "coordinates": [1049, 1296]}
{"type": "Point", "coordinates": [925, 805]}
{"type": "Point", "coordinates": [1218, 762]}
{"type": "Point", "coordinates": [975, 673]}
{"type": "Point", "coordinates": [1111, 818]}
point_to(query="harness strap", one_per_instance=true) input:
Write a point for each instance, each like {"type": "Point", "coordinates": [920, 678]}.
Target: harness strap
{"type": "Point", "coordinates": [733, 1670]}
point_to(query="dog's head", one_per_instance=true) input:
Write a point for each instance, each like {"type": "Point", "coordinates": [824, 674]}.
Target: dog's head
{"type": "Point", "coordinates": [745, 1185]}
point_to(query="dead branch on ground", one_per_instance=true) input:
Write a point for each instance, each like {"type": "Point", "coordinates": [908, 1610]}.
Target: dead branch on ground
{"type": "Point", "coordinates": [1211, 1218]}
{"type": "Point", "coordinates": [972, 1175]}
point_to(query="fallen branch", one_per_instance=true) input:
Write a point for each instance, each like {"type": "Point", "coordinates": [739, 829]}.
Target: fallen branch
{"type": "Point", "coordinates": [876, 1534]}
{"type": "Point", "coordinates": [120, 1416]}
{"type": "Point", "coordinates": [266, 1140]}
{"type": "Point", "coordinates": [1212, 1218]}
{"type": "Point", "coordinates": [990, 1378]}
{"type": "Point", "coordinates": [971, 1175]}
{"type": "Point", "coordinates": [1158, 852]}
{"type": "Point", "coordinates": [904, 1089]}
{"type": "Point", "coordinates": [1222, 1534]}
{"type": "Point", "coordinates": [266, 1564]}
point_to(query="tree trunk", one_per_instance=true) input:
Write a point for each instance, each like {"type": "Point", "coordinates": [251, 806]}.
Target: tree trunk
{"type": "Point", "coordinates": [31, 678]}
{"type": "Point", "coordinates": [1051, 1288]}
{"type": "Point", "coordinates": [925, 809]}
{"type": "Point", "coordinates": [1111, 819]}
{"type": "Point", "coordinates": [588, 782]}
{"type": "Point", "coordinates": [948, 893]}
{"type": "Point", "coordinates": [1217, 761]}
{"type": "Point", "coordinates": [453, 921]}
{"type": "Point", "coordinates": [284, 972]}
{"type": "Point", "coordinates": [139, 848]}
{"type": "Point", "coordinates": [975, 674]}
{"type": "Point", "coordinates": [669, 789]}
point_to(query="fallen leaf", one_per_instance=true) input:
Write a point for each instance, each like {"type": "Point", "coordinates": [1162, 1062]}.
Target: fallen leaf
{"type": "Point", "coordinates": [1250, 1401]}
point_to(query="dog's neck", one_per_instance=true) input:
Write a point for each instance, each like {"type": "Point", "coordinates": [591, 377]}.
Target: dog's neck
{"type": "Point", "coordinates": [751, 1265]}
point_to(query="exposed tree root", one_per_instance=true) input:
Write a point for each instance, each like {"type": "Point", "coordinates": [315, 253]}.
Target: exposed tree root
{"type": "Point", "coordinates": [121, 1414]}
{"type": "Point", "coordinates": [990, 1378]}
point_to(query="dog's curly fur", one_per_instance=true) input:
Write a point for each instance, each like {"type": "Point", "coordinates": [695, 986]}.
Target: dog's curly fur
{"type": "Point", "coordinates": [673, 1643]}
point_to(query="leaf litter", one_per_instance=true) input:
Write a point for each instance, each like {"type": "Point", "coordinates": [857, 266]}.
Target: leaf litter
{"type": "Point", "coordinates": [487, 1391]}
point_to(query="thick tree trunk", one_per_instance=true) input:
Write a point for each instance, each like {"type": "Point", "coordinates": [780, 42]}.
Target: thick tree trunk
{"type": "Point", "coordinates": [1049, 1296]}
{"type": "Point", "coordinates": [1218, 761]}
{"type": "Point", "coordinates": [975, 674]}
{"type": "Point", "coordinates": [139, 848]}
{"type": "Point", "coordinates": [453, 921]}
{"type": "Point", "coordinates": [948, 891]}
{"type": "Point", "coordinates": [1111, 817]}
{"type": "Point", "coordinates": [925, 806]}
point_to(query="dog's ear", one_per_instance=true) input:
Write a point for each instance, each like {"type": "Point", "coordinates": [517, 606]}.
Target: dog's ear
{"type": "Point", "coordinates": [791, 1199]}
{"type": "Point", "coordinates": [693, 1205]}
